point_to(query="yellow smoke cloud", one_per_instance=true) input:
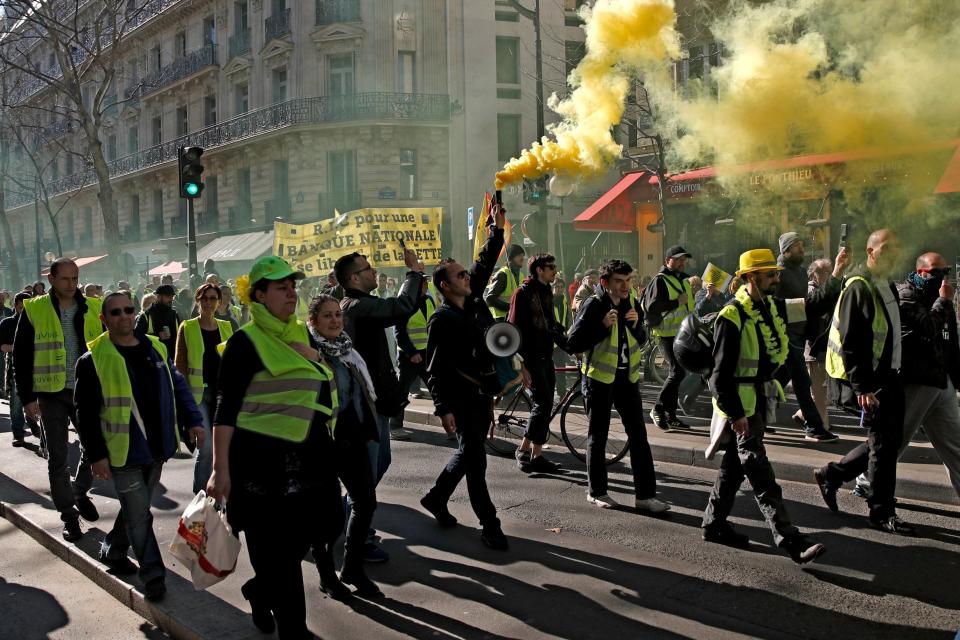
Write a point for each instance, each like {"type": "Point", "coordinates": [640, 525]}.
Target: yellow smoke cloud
{"type": "Point", "coordinates": [810, 76]}
{"type": "Point", "coordinates": [622, 37]}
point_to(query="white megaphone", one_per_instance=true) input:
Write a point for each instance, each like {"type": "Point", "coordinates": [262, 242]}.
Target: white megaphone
{"type": "Point", "coordinates": [502, 339]}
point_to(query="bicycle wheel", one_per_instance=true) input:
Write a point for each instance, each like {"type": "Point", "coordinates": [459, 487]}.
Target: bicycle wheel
{"type": "Point", "coordinates": [656, 365]}
{"type": "Point", "coordinates": [574, 428]}
{"type": "Point", "coordinates": [509, 422]}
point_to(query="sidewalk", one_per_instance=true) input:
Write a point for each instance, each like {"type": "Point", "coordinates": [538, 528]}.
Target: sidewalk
{"type": "Point", "coordinates": [920, 474]}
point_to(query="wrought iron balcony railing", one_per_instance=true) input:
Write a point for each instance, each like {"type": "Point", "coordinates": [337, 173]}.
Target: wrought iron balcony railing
{"type": "Point", "coordinates": [292, 113]}
{"type": "Point", "coordinates": [277, 25]}
{"type": "Point", "coordinates": [240, 43]}
{"type": "Point", "coordinates": [330, 11]}
{"type": "Point", "coordinates": [205, 56]}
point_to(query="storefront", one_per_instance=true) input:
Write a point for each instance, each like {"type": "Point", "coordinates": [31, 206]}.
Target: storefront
{"type": "Point", "coordinates": [717, 217]}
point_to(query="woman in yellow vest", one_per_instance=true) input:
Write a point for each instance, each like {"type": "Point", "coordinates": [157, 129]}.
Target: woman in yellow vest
{"type": "Point", "coordinates": [272, 445]}
{"type": "Point", "coordinates": [356, 426]}
{"type": "Point", "coordinates": [198, 360]}
{"type": "Point", "coordinates": [226, 309]}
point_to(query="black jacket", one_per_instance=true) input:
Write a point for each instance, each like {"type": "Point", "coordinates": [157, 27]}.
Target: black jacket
{"type": "Point", "coordinates": [162, 316]}
{"type": "Point", "coordinates": [726, 354]}
{"type": "Point", "coordinates": [455, 343]}
{"type": "Point", "coordinates": [588, 330]}
{"type": "Point", "coordinates": [531, 310]}
{"type": "Point", "coordinates": [24, 342]}
{"type": "Point", "coordinates": [856, 314]}
{"type": "Point", "coordinates": [657, 296]}
{"type": "Point", "coordinates": [365, 319]}
{"type": "Point", "coordinates": [931, 353]}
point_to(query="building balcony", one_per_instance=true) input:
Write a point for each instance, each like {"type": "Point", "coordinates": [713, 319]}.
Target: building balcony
{"type": "Point", "coordinates": [240, 43]}
{"type": "Point", "coordinates": [58, 129]}
{"type": "Point", "coordinates": [277, 25]}
{"type": "Point", "coordinates": [338, 201]}
{"type": "Point", "coordinates": [299, 112]}
{"type": "Point", "coordinates": [191, 63]}
{"type": "Point", "coordinates": [331, 11]}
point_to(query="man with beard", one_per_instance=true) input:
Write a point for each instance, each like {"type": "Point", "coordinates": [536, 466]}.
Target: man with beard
{"type": "Point", "coordinates": [793, 284]}
{"type": "Point", "coordinates": [750, 343]}
{"type": "Point", "coordinates": [161, 320]}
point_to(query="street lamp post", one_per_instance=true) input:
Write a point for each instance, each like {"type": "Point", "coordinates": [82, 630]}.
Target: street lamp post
{"type": "Point", "coordinates": [36, 222]}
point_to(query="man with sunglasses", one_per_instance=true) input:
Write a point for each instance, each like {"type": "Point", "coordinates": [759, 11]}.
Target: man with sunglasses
{"type": "Point", "coordinates": [129, 399]}
{"type": "Point", "coordinates": [52, 333]}
{"type": "Point", "coordinates": [459, 369]}
{"type": "Point", "coordinates": [531, 310]}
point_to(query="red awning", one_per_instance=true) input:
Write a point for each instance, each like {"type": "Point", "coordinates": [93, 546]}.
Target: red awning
{"type": "Point", "coordinates": [613, 211]}
{"type": "Point", "coordinates": [81, 262]}
{"type": "Point", "coordinates": [950, 180]}
{"type": "Point", "coordinates": [171, 268]}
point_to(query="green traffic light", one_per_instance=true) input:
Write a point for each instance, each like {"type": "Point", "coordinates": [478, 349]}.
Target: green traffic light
{"type": "Point", "coordinates": [191, 188]}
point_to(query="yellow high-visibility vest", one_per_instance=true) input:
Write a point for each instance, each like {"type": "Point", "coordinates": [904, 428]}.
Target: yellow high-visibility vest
{"type": "Point", "coordinates": [193, 336]}
{"type": "Point", "coordinates": [49, 351]}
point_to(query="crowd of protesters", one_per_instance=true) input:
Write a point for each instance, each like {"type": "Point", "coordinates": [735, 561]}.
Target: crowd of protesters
{"type": "Point", "coordinates": [291, 392]}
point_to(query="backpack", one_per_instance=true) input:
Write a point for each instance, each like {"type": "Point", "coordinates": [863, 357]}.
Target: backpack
{"type": "Point", "coordinates": [693, 345]}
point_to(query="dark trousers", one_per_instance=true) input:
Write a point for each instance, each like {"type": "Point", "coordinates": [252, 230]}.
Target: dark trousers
{"type": "Point", "coordinates": [56, 413]}
{"type": "Point", "coordinates": [746, 457]}
{"type": "Point", "coordinates": [277, 540]}
{"type": "Point", "coordinates": [667, 400]}
{"type": "Point", "coordinates": [795, 370]}
{"type": "Point", "coordinates": [353, 470]}
{"type": "Point", "coordinates": [134, 524]}
{"type": "Point", "coordinates": [470, 459]}
{"type": "Point", "coordinates": [625, 396]}
{"type": "Point", "coordinates": [408, 373]}
{"type": "Point", "coordinates": [542, 382]}
{"type": "Point", "coordinates": [878, 455]}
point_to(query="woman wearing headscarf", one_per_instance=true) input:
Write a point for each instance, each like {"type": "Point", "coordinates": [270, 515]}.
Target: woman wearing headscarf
{"type": "Point", "coordinates": [356, 426]}
{"type": "Point", "coordinates": [272, 450]}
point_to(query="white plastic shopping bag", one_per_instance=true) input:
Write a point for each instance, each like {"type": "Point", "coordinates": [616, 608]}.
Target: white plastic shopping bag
{"type": "Point", "coordinates": [205, 543]}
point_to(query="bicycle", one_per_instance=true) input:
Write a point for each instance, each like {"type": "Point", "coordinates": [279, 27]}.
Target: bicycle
{"type": "Point", "coordinates": [508, 426]}
{"type": "Point", "coordinates": [656, 368]}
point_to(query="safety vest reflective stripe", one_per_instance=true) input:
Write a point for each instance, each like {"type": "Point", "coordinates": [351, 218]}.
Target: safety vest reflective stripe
{"type": "Point", "coordinates": [283, 405]}
{"type": "Point", "coordinates": [835, 365]}
{"type": "Point", "coordinates": [671, 322]}
{"type": "Point", "coordinates": [49, 348]}
{"type": "Point", "coordinates": [193, 337]}
{"type": "Point", "coordinates": [507, 294]}
{"type": "Point", "coordinates": [116, 411]}
{"type": "Point", "coordinates": [748, 362]}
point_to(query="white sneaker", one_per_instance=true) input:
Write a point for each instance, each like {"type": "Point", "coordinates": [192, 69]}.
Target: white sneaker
{"type": "Point", "coordinates": [604, 501]}
{"type": "Point", "coordinates": [652, 505]}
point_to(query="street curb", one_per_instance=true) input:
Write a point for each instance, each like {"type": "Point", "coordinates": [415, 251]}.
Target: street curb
{"type": "Point", "coordinates": [94, 571]}
{"type": "Point", "coordinates": [908, 488]}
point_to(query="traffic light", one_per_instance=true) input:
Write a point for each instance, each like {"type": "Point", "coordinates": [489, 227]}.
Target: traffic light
{"type": "Point", "coordinates": [191, 184]}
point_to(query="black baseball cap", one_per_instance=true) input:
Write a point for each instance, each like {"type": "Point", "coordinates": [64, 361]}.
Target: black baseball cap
{"type": "Point", "coordinates": [165, 290]}
{"type": "Point", "coordinates": [676, 251]}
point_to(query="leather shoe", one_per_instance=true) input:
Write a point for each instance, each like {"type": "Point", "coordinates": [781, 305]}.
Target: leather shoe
{"type": "Point", "coordinates": [893, 524]}
{"type": "Point", "coordinates": [439, 511]}
{"type": "Point", "coordinates": [155, 589]}
{"type": "Point", "coordinates": [493, 537]}
{"type": "Point", "coordinates": [828, 494]}
{"type": "Point", "coordinates": [88, 511]}
{"type": "Point", "coordinates": [802, 550]}
{"type": "Point", "coordinates": [72, 531]}
{"type": "Point", "coordinates": [120, 566]}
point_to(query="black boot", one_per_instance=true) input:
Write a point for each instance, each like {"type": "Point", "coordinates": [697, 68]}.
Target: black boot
{"type": "Point", "coordinates": [353, 574]}
{"type": "Point", "coordinates": [262, 616]}
{"type": "Point", "coordinates": [329, 582]}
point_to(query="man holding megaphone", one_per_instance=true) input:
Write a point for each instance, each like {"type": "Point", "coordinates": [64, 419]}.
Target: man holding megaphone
{"type": "Point", "coordinates": [609, 328]}
{"type": "Point", "coordinates": [459, 371]}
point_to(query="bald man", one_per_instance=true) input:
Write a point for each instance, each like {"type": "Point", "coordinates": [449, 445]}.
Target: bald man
{"type": "Point", "coordinates": [864, 356]}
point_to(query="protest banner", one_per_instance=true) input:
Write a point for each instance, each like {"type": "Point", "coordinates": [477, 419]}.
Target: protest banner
{"type": "Point", "coordinates": [314, 247]}
{"type": "Point", "coordinates": [716, 276]}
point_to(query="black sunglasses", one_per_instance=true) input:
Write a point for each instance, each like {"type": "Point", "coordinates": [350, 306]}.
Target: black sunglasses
{"type": "Point", "coordinates": [361, 270]}
{"type": "Point", "coordinates": [129, 311]}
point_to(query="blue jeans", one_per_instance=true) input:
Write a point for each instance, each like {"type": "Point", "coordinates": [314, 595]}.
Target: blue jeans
{"type": "Point", "coordinates": [204, 464]}
{"type": "Point", "coordinates": [379, 452]}
{"type": "Point", "coordinates": [17, 421]}
{"type": "Point", "coordinates": [134, 524]}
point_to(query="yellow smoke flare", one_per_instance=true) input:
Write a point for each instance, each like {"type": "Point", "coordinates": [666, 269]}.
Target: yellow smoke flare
{"type": "Point", "coordinates": [623, 37]}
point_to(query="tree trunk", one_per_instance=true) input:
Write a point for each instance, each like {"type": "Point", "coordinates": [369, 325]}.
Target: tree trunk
{"type": "Point", "coordinates": [111, 223]}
